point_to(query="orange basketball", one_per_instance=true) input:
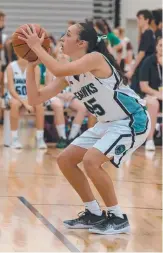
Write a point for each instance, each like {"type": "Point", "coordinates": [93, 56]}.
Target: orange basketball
{"type": "Point", "coordinates": [22, 49]}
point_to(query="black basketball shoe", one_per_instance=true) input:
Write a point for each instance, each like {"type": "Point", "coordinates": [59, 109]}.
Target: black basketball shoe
{"type": "Point", "coordinates": [112, 225]}
{"type": "Point", "coordinates": [86, 220]}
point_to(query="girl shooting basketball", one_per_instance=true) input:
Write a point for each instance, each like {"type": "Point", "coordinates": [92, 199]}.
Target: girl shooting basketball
{"type": "Point", "coordinates": [123, 123]}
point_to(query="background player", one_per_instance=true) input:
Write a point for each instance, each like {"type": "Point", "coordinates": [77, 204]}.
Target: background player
{"type": "Point", "coordinates": [16, 80]}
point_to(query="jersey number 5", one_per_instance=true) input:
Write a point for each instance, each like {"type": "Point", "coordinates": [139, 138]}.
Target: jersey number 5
{"type": "Point", "coordinates": [94, 108]}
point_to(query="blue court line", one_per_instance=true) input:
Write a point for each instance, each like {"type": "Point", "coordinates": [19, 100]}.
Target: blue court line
{"type": "Point", "coordinates": [60, 236]}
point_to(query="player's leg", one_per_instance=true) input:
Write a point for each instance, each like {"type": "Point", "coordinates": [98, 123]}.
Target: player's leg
{"type": "Point", "coordinates": [14, 122]}
{"type": "Point", "coordinates": [39, 109]}
{"type": "Point", "coordinates": [153, 109]}
{"type": "Point", "coordinates": [91, 120]}
{"type": "Point", "coordinates": [68, 162]}
{"type": "Point", "coordinates": [78, 120]}
{"type": "Point", "coordinates": [119, 142]}
{"type": "Point", "coordinates": [58, 108]}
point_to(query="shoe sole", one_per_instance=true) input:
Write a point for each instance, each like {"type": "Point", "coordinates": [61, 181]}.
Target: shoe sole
{"type": "Point", "coordinates": [81, 226]}
{"type": "Point", "coordinates": [125, 230]}
{"type": "Point", "coordinates": [78, 226]}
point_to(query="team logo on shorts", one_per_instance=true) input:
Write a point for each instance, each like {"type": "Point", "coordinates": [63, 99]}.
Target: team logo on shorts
{"type": "Point", "coordinates": [120, 149]}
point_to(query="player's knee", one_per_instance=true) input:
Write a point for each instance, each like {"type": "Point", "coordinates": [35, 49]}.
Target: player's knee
{"type": "Point", "coordinates": [63, 160]}
{"type": "Point", "coordinates": [39, 109]}
{"type": "Point", "coordinates": [57, 106]}
{"type": "Point", "coordinates": [14, 105]}
{"type": "Point", "coordinates": [89, 165]}
{"type": "Point", "coordinates": [82, 109]}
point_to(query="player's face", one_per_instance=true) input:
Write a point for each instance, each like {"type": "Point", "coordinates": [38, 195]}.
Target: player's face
{"type": "Point", "coordinates": [159, 48]}
{"type": "Point", "coordinates": [71, 42]}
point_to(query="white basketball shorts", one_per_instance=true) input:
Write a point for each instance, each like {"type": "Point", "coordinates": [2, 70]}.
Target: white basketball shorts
{"type": "Point", "coordinates": [118, 139]}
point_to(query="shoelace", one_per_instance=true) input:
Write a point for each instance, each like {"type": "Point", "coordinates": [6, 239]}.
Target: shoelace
{"type": "Point", "coordinates": [110, 214]}
{"type": "Point", "coordinates": [83, 213]}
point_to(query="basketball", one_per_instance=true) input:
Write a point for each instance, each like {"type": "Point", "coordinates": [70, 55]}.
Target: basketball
{"type": "Point", "coordinates": [22, 49]}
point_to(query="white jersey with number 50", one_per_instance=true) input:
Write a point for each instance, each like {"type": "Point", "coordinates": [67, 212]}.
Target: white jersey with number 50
{"type": "Point", "coordinates": [19, 79]}
{"type": "Point", "coordinates": [108, 99]}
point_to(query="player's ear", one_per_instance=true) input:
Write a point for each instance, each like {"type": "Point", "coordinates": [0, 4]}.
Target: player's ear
{"type": "Point", "coordinates": [82, 43]}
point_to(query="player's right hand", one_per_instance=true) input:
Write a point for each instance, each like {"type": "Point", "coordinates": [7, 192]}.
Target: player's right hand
{"type": "Point", "coordinates": [28, 107]}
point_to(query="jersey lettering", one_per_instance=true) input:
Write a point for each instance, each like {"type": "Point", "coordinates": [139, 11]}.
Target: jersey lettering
{"type": "Point", "coordinates": [86, 91]}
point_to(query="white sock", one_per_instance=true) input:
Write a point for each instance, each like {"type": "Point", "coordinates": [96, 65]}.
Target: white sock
{"type": "Point", "coordinates": [39, 134]}
{"type": "Point", "coordinates": [74, 131]}
{"type": "Point", "coordinates": [61, 131]}
{"type": "Point", "coordinates": [93, 207]}
{"type": "Point", "coordinates": [14, 134]}
{"type": "Point", "coordinates": [116, 210]}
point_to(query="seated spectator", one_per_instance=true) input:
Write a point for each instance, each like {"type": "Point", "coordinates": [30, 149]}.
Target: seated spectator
{"type": "Point", "coordinates": [17, 95]}
{"type": "Point", "coordinates": [151, 86]}
{"type": "Point", "coordinates": [63, 100]}
{"type": "Point", "coordinates": [3, 63]}
{"type": "Point", "coordinates": [66, 99]}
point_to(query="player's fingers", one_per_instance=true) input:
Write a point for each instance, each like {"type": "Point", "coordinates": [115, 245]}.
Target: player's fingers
{"type": "Point", "coordinates": [42, 37]}
{"type": "Point", "coordinates": [25, 33]}
{"type": "Point", "coordinates": [33, 29]}
{"type": "Point", "coordinates": [29, 30]}
{"type": "Point", "coordinates": [22, 38]}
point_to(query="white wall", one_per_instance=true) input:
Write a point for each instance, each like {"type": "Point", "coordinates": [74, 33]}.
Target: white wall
{"type": "Point", "coordinates": [129, 9]}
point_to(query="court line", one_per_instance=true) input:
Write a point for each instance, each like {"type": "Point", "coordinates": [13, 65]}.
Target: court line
{"type": "Point", "coordinates": [59, 235]}
{"type": "Point", "coordinates": [148, 208]}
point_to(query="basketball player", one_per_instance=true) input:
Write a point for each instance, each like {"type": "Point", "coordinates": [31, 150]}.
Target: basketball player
{"type": "Point", "coordinates": [16, 80]}
{"type": "Point", "coordinates": [123, 122]}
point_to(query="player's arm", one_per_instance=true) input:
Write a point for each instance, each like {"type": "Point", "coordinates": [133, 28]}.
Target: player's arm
{"type": "Point", "coordinates": [37, 96]}
{"type": "Point", "coordinates": [10, 83]}
{"type": "Point", "coordinates": [88, 62]}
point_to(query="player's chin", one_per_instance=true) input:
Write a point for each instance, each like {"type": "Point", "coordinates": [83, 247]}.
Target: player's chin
{"type": "Point", "coordinates": [65, 50]}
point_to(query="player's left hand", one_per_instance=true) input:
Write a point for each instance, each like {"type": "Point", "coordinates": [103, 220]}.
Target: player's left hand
{"type": "Point", "coordinates": [31, 37]}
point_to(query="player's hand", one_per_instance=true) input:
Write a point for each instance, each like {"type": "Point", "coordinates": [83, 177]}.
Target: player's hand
{"type": "Point", "coordinates": [31, 37]}
{"type": "Point", "coordinates": [34, 63]}
{"type": "Point", "coordinates": [28, 107]}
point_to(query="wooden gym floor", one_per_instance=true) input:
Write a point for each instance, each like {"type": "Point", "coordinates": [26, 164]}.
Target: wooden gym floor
{"type": "Point", "coordinates": [35, 198]}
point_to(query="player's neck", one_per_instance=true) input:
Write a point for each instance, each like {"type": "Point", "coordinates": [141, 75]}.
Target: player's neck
{"type": "Point", "coordinates": [77, 55]}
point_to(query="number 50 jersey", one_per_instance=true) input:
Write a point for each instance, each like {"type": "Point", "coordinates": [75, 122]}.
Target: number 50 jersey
{"type": "Point", "coordinates": [19, 79]}
{"type": "Point", "coordinates": [108, 99]}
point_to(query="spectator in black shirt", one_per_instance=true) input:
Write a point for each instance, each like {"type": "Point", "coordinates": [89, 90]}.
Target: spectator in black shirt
{"type": "Point", "coordinates": [146, 47]}
{"type": "Point", "coordinates": [151, 85]}
{"type": "Point", "coordinates": [157, 22]}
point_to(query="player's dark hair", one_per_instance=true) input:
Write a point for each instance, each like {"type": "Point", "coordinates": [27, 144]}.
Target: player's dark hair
{"type": "Point", "coordinates": [146, 14]}
{"type": "Point", "coordinates": [89, 34]}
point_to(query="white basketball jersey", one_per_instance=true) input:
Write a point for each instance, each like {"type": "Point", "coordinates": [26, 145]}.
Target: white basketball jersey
{"type": "Point", "coordinates": [108, 99]}
{"type": "Point", "coordinates": [19, 79]}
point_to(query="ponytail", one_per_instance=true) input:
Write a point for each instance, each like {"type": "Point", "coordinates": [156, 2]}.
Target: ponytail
{"type": "Point", "coordinates": [101, 48]}
{"type": "Point", "coordinates": [96, 43]}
